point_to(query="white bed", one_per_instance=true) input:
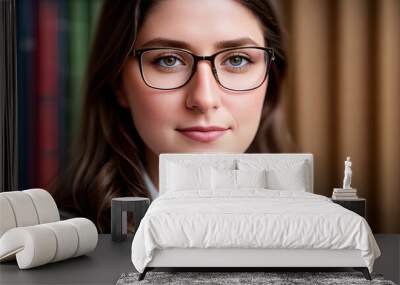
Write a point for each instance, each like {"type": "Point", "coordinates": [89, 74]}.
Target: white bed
{"type": "Point", "coordinates": [200, 223]}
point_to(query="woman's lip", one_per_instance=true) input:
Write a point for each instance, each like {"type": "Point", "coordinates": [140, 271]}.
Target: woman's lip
{"type": "Point", "coordinates": [203, 129]}
{"type": "Point", "coordinates": [202, 136]}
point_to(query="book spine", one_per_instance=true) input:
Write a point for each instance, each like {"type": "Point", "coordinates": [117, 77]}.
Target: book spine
{"type": "Point", "coordinates": [26, 51]}
{"type": "Point", "coordinates": [353, 198]}
{"type": "Point", "coordinates": [47, 161]}
{"type": "Point", "coordinates": [344, 197]}
{"type": "Point", "coordinates": [78, 53]}
{"type": "Point", "coordinates": [95, 8]}
{"type": "Point", "coordinates": [63, 81]}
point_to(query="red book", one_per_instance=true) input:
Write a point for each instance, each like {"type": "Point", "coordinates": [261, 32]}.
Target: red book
{"type": "Point", "coordinates": [47, 144]}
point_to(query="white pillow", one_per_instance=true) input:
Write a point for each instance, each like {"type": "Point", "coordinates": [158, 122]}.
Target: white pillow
{"type": "Point", "coordinates": [223, 179]}
{"type": "Point", "coordinates": [288, 179]}
{"type": "Point", "coordinates": [182, 178]}
{"type": "Point", "coordinates": [203, 162]}
{"type": "Point", "coordinates": [251, 178]}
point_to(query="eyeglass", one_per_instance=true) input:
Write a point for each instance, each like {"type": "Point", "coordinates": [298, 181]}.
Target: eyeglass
{"type": "Point", "coordinates": [236, 69]}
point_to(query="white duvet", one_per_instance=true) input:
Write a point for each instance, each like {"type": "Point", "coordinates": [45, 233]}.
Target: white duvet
{"type": "Point", "coordinates": [251, 218]}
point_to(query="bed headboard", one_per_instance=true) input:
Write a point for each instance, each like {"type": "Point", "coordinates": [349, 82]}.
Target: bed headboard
{"type": "Point", "coordinates": [203, 159]}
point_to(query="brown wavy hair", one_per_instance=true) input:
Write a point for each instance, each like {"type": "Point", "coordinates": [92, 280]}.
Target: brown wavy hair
{"type": "Point", "coordinates": [106, 157]}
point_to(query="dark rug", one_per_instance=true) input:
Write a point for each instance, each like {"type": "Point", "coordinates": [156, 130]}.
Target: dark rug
{"type": "Point", "coordinates": [229, 278]}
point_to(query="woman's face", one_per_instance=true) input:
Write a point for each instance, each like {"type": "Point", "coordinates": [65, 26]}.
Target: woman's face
{"type": "Point", "coordinates": [159, 116]}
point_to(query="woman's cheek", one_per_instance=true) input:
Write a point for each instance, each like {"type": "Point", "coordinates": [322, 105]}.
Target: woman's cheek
{"type": "Point", "coordinates": [151, 123]}
{"type": "Point", "coordinates": [152, 113]}
{"type": "Point", "coordinates": [148, 106]}
{"type": "Point", "coordinates": [246, 110]}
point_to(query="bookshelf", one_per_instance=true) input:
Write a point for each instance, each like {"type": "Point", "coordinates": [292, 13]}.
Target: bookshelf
{"type": "Point", "coordinates": [53, 44]}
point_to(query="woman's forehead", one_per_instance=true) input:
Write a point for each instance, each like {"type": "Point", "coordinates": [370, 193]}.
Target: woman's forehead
{"type": "Point", "coordinates": [201, 26]}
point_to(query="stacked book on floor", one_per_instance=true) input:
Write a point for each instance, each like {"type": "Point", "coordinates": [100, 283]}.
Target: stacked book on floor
{"type": "Point", "coordinates": [344, 194]}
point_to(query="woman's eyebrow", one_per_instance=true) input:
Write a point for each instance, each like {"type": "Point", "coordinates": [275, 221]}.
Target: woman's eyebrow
{"type": "Point", "coordinates": [165, 42]}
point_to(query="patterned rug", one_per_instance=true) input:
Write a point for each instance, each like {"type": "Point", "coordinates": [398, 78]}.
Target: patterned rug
{"type": "Point", "coordinates": [229, 278]}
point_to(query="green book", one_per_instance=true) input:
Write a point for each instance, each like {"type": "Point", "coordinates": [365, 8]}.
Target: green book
{"type": "Point", "coordinates": [79, 29]}
{"type": "Point", "coordinates": [95, 8]}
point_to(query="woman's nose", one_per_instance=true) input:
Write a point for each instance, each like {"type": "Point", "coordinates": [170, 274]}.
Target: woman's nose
{"type": "Point", "coordinates": [203, 91]}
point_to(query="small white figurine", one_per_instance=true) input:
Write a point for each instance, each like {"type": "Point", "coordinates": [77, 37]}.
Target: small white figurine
{"type": "Point", "coordinates": [347, 174]}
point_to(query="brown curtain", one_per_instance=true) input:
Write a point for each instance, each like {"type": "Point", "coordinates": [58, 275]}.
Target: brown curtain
{"type": "Point", "coordinates": [342, 97]}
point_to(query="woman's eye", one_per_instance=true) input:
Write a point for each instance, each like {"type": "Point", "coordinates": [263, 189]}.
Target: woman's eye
{"type": "Point", "coordinates": [168, 61]}
{"type": "Point", "coordinates": [237, 61]}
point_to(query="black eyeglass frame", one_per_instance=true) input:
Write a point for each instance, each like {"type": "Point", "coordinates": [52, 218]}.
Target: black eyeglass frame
{"type": "Point", "coordinates": [196, 58]}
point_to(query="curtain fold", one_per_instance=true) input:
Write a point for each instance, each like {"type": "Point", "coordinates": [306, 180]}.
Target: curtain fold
{"type": "Point", "coordinates": [388, 131]}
